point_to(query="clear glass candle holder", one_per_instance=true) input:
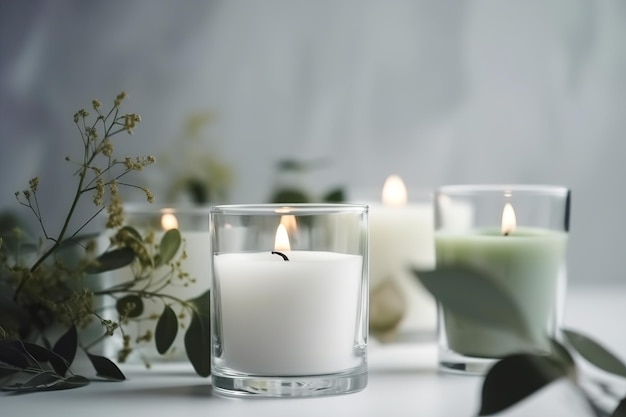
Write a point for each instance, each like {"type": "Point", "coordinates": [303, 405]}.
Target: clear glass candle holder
{"type": "Point", "coordinates": [516, 238]}
{"type": "Point", "coordinates": [290, 299]}
{"type": "Point", "coordinates": [154, 220]}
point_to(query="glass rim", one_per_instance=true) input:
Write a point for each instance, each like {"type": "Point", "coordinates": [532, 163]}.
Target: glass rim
{"type": "Point", "coordinates": [156, 208]}
{"type": "Point", "coordinates": [294, 209]}
{"type": "Point", "coordinates": [538, 189]}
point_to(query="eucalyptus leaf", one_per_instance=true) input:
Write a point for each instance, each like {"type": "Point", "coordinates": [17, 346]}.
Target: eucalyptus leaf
{"type": "Point", "coordinates": [595, 353]}
{"type": "Point", "coordinates": [74, 381]}
{"type": "Point", "coordinates": [111, 260]}
{"type": "Point", "coordinates": [42, 355]}
{"type": "Point", "coordinates": [130, 305]}
{"type": "Point", "coordinates": [7, 370]}
{"type": "Point", "coordinates": [13, 352]}
{"type": "Point", "coordinates": [143, 255]}
{"type": "Point", "coordinates": [132, 231]}
{"type": "Point", "coordinates": [42, 379]}
{"type": "Point", "coordinates": [516, 377]}
{"type": "Point", "coordinates": [289, 196]}
{"type": "Point", "coordinates": [54, 384]}
{"type": "Point", "coordinates": [105, 368]}
{"type": "Point", "coordinates": [471, 294]}
{"type": "Point", "coordinates": [198, 335]}
{"type": "Point", "coordinates": [336, 195]}
{"type": "Point", "coordinates": [166, 330]}
{"type": "Point", "coordinates": [620, 410]}
{"type": "Point", "coordinates": [562, 355]}
{"type": "Point", "coordinates": [170, 243]}
{"type": "Point", "coordinates": [66, 345]}
{"type": "Point", "coordinates": [39, 382]}
{"type": "Point", "coordinates": [202, 304]}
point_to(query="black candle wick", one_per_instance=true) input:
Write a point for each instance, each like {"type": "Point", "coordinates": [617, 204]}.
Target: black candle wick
{"type": "Point", "coordinates": [274, 252]}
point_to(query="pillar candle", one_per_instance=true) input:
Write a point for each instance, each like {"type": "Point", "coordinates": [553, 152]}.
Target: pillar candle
{"type": "Point", "coordinates": [293, 317]}
{"type": "Point", "coordinates": [525, 262]}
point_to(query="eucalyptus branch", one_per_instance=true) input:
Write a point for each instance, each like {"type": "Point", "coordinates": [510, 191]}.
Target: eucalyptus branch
{"type": "Point", "coordinates": [45, 291]}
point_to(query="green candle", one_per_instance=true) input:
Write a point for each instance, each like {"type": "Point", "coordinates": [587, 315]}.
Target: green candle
{"type": "Point", "coordinates": [525, 262]}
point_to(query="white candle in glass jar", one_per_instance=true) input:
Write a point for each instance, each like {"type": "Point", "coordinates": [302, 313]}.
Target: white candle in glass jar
{"type": "Point", "coordinates": [295, 317]}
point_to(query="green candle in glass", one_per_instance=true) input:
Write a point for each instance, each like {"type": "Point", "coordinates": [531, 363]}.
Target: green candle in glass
{"type": "Point", "coordinates": [526, 261]}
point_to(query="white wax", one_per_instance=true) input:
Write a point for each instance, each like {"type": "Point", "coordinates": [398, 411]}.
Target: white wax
{"type": "Point", "coordinates": [402, 238]}
{"type": "Point", "coordinates": [197, 265]}
{"type": "Point", "coordinates": [296, 317]}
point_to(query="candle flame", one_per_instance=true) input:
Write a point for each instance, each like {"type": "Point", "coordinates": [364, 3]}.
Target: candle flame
{"type": "Point", "coordinates": [282, 239]}
{"type": "Point", "coordinates": [289, 221]}
{"type": "Point", "coordinates": [509, 223]}
{"type": "Point", "coordinates": [169, 221]}
{"type": "Point", "coordinates": [394, 191]}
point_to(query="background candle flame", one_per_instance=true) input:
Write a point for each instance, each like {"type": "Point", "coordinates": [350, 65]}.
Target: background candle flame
{"type": "Point", "coordinates": [282, 239]}
{"type": "Point", "coordinates": [169, 221]}
{"type": "Point", "coordinates": [289, 221]}
{"type": "Point", "coordinates": [394, 191]}
{"type": "Point", "coordinates": [509, 223]}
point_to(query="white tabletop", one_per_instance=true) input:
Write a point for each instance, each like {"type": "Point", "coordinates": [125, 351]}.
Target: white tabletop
{"type": "Point", "coordinates": [403, 381]}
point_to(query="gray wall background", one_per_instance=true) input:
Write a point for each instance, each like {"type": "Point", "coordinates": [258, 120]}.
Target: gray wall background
{"type": "Point", "coordinates": [439, 92]}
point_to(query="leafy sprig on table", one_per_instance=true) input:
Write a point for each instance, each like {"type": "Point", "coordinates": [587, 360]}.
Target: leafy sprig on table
{"type": "Point", "coordinates": [50, 284]}
{"type": "Point", "coordinates": [518, 376]}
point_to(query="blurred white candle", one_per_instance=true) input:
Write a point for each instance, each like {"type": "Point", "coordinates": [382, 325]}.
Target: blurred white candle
{"type": "Point", "coordinates": [402, 237]}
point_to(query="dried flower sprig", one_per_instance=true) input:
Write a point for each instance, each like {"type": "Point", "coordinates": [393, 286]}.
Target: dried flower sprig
{"type": "Point", "coordinates": [46, 289]}
{"type": "Point", "coordinates": [92, 177]}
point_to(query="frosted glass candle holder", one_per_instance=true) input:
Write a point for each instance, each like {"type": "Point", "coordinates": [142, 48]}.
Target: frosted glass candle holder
{"type": "Point", "coordinates": [517, 238]}
{"type": "Point", "coordinates": [289, 300]}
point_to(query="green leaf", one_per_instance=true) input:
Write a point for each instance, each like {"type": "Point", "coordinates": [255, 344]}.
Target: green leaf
{"type": "Point", "coordinates": [74, 381]}
{"type": "Point", "coordinates": [13, 352]}
{"type": "Point", "coordinates": [198, 335]}
{"type": "Point", "coordinates": [620, 410]}
{"type": "Point", "coordinates": [42, 354]}
{"type": "Point", "coordinates": [52, 384]}
{"type": "Point", "coordinates": [131, 239]}
{"type": "Point", "coordinates": [595, 353]}
{"type": "Point", "coordinates": [166, 330]}
{"type": "Point", "coordinates": [66, 346]}
{"type": "Point", "coordinates": [40, 381]}
{"type": "Point", "coordinates": [42, 378]}
{"type": "Point", "coordinates": [473, 295]}
{"type": "Point", "coordinates": [133, 232]}
{"type": "Point", "coordinates": [105, 368]}
{"type": "Point", "coordinates": [130, 305]}
{"type": "Point", "coordinates": [111, 260]}
{"type": "Point", "coordinates": [170, 243]}
{"type": "Point", "coordinates": [336, 195]}
{"type": "Point", "coordinates": [516, 377]}
{"type": "Point", "coordinates": [289, 196]}
{"type": "Point", "coordinates": [560, 354]}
